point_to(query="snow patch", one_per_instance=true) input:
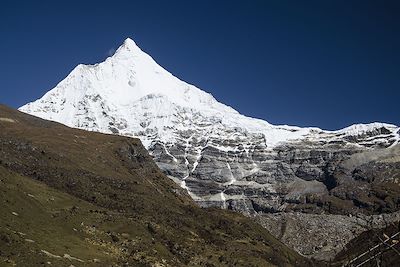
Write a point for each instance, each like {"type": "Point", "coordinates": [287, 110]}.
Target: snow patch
{"type": "Point", "coordinates": [8, 120]}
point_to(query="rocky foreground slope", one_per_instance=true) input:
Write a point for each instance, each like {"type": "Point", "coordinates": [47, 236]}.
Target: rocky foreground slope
{"type": "Point", "coordinates": [295, 181]}
{"type": "Point", "coordinates": [72, 197]}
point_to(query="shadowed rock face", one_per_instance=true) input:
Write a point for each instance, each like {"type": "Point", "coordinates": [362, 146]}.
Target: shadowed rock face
{"type": "Point", "coordinates": [321, 236]}
{"type": "Point", "coordinates": [384, 256]}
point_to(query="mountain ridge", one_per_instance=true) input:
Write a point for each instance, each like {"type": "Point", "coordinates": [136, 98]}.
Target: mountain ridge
{"type": "Point", "coordinates": [129, 49]}
{"type": "Point", "coordinates": [225, 159]}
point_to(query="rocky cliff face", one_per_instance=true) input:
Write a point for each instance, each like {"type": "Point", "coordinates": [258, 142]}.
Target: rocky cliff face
{"type": "Point", "coordinates": [242, 173]}
{"type": "Point", "coordinates": [223, 158]}
{"type": "Point", "coordinates": [326, 191]}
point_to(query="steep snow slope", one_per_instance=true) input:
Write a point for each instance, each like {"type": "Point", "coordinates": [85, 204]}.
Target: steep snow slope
{"type": "Point", "coordinates": [130, 92]}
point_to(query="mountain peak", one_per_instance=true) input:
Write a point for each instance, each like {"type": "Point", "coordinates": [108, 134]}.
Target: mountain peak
{"type": "Point", "coordinates": [128, 46]}
{"type": "Point", "coordinates": [129, 43]}
{"type": "Point", "coordinates": [129, 78]}
{"type": "Point", "coordinates": [131, 89]}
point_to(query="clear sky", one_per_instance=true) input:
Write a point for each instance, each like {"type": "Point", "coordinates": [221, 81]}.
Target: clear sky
{"type": "Point", "coordinates": [308, 63]}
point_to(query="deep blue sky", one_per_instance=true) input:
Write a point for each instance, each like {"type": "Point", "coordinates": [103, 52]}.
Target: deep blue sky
{"type": "Point", "coordinates": [308, 63]}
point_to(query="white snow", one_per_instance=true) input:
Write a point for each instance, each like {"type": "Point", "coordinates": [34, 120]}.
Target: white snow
{"type": "Point", "coordinates": [198, 157]}
{"type": "Point", "coordinates": [357, 129]}
{"type": "Point", "coordinates": [233, 180]}
{"type": "Point", "coordinates": [223, 199]}
{"type": "Point", "coordinates": [7, 120]}
{"type": "Point", "coordinates": [169, 154]}
{"type": "Point", "coordinates": [132, 94]}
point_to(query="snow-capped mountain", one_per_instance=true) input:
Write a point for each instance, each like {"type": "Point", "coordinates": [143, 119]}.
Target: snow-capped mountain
{"type": "Point", "coordinates": [222, 158]}
{"type": "Point", "coordinates": [130, 93]}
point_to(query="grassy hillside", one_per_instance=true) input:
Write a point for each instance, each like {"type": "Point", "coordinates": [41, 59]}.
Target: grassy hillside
{"type": "Point", "coordinates": [74, 197]}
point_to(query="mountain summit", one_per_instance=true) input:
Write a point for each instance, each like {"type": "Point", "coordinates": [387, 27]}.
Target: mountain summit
{"type": "Point", "coordinates": [129, 90]}
{"type": "Point", "coordinates": [98, 97]}
{"type": "Point", "coordinates": [225, 159]}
